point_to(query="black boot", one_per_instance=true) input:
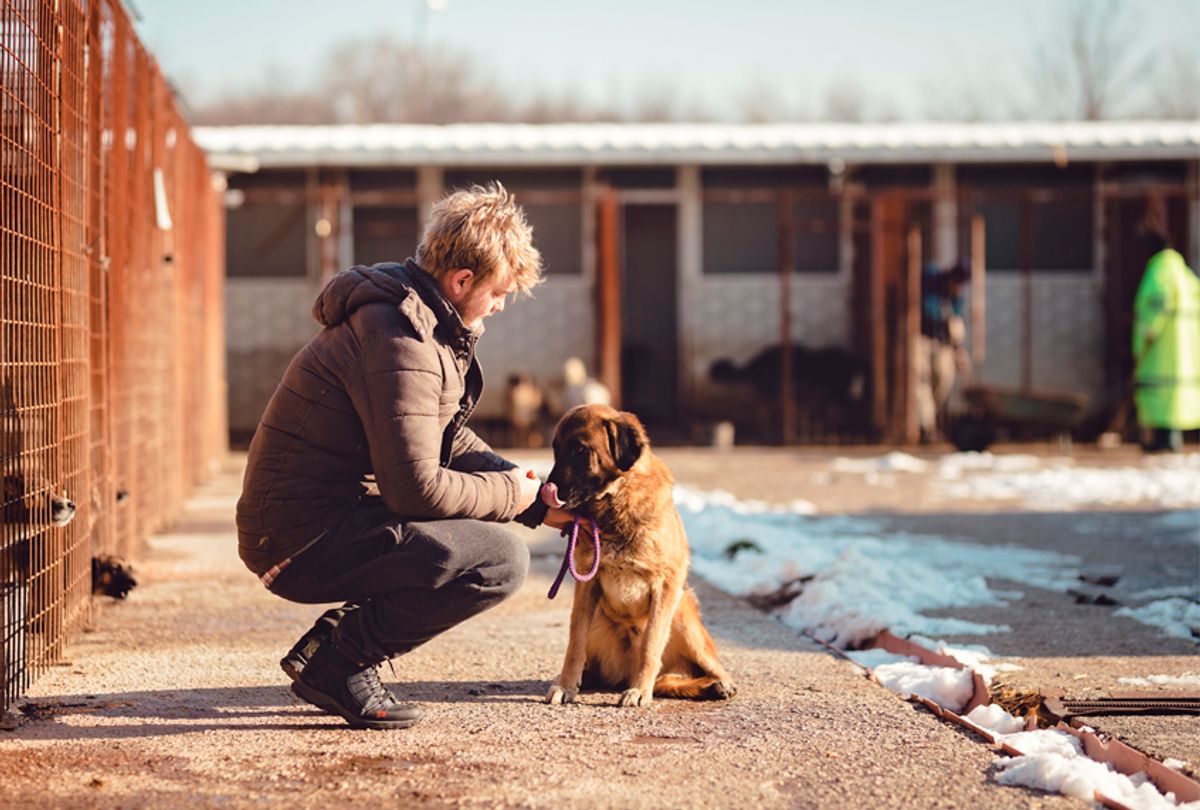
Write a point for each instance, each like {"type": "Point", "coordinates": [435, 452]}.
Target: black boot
{"type": "Point", "coordinates": [336, 683]}
{"type": "Point", "coordinates": [302, 651]}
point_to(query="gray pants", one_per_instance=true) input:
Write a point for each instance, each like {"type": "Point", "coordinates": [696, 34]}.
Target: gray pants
{"type": "Point", "coordinates": [934, 368]}
{"type": "Point", "coordinates": [404, 582]}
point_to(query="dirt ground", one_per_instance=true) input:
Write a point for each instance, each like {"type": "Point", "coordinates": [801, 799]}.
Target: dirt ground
{"type": "Point", "coordinates": [175, 698]}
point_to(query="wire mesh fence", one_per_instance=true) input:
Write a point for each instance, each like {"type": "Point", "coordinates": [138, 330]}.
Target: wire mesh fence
{"type": "Point", "coordinates": [111, 351]}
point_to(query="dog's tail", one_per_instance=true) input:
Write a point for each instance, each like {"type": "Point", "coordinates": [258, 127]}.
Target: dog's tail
{"type": "Point", "coordinates": [706, 687]}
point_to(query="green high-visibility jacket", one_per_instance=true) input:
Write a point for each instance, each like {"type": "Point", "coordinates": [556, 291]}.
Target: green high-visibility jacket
{"type": "Point", "coordinates": [1166, 344]}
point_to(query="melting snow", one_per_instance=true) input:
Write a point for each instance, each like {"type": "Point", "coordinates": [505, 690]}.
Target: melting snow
{"type": "Point", "coordinates": [1176, 616]}
{"type": "Point", "coordinates": [876, 656]}
{"type": "Point", "coordinates": [994, 718]}
{"type": "Point", "coordinates": [975, 656]}
{"type": "Point", "coordinates": [1187, 679]}
{"type": "Point", "coordinates": [1075, 775]}
{"type": "Point", "coordinates": [951, 688]}
{"type": "Point", "coordinates": [953, 466]}
{"type": "Point", "coordinates": [1183, 520]}
{"type": "Point", "coordinates": [862, 581]}
{"type": "Point", "coordinates": [1054, 761]}
{"type": "Point", "coordinates": [892, 462]}
{"type": "Point", "coordinates": [1172, 482]}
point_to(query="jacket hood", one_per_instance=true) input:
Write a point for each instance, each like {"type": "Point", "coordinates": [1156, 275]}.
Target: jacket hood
{"type": "Point", "coordinates": [413, 291]}
{"type": "Point", "coordinates": [359, 286]}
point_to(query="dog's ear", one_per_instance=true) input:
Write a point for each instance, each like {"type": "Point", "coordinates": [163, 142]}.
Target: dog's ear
{"type": "Point", "coordinates": [626, 440]}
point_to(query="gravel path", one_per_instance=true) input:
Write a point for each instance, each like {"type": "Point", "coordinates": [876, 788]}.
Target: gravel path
{"type": "Point", "coordinates": [175, 699]}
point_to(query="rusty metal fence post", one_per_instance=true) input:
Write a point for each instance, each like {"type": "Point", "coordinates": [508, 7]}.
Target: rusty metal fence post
{"type": "Point", "coordinates": [112, 381]}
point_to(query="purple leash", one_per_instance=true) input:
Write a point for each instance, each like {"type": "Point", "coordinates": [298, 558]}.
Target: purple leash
{"type": "Point", "coordinates": [569, 560]}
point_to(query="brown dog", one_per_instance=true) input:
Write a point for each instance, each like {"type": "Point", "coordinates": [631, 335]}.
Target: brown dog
{"type": "Point", "coordinates": [636, 625]}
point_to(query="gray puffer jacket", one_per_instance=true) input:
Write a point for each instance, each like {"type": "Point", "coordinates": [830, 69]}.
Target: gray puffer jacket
{"type": "Point", "coordinates": [386, 389]}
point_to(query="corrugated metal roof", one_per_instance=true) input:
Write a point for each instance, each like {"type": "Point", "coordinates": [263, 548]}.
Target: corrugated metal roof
{"type": "Point", "coordinates": [632, 144]}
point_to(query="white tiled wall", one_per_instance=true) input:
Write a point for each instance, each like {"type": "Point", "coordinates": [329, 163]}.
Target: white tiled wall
{"type": "Point", "coordinates": [267, 321]}
{"type": "Point", "coordinates": [537, 335]}
{"type": "Point", "coordinates": [269, 313]}
{"type": "Point", "coordinates": [1067, 332]}
{"type": "Point", "coordinates": [736, 317]}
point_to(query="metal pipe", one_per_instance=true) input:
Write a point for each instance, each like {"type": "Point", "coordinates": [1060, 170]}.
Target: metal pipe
{"type": "Point", "coordinates": [787, 261]}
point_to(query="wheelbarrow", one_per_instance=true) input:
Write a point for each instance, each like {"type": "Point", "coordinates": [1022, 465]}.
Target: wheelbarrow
{"type": "Point", "coordinates": [991, 408]}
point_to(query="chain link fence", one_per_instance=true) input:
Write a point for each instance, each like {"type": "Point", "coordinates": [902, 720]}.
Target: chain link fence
{"type": "Point", "coordinates": [112, 382]}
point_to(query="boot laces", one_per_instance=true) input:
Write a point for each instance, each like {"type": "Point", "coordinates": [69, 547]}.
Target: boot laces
{"type": "Point", "coordinates": [369, 689]}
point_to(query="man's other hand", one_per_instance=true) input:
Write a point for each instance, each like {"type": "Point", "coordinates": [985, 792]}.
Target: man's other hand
{"type": "Point", "coordinates": [527, 487]}
{"type": "Point", "coordinates": [562, 519]}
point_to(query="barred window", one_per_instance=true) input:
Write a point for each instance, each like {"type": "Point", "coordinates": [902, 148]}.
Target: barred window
{"type": "Point", "coordinates": [266, 239]}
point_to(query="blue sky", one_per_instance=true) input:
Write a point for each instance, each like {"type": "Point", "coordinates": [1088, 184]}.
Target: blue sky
{"type": "Point", "coordinates": [902, 55]}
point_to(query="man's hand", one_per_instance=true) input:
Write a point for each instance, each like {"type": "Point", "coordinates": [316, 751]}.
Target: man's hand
{"type": "Point", "coordinates": [962, 361]}
{"type": "Point", "coordinates": [561, 519]}
{"type": "Point", "coordinates": [527, 488]}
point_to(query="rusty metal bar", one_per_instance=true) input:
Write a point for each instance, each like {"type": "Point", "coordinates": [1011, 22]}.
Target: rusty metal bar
{"type": "Point", "coordinates": [94, 335]}
{"type": "Point", "coordinates": [911, 334]}
{"type": "Point", "coordinates": [882, 242]}
{"type": "Point", "coordinates": [608, 296]}
{"type": "Point", "coordinates": [978, 291]}
{"type": "Point", "coordinates": [785, 218]}
{"type": "Point", "coordinates": [1026, 294]}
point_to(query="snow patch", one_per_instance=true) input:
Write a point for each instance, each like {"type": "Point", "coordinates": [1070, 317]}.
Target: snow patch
{"type": "Point", "coordinates": [1176, 616]}
{"type": "Point", "coordinates": [1065, 487]}
{"type": "Point", "coordinates": [953, 466]}
{"type": "Point", "coordinates": [1181, 520]}
{"type": "Point", "coordinates": [1187, 679]}
{"type": "Point", "coordinates": [1065, 770]}
{"type": "Point", "coordinates": [974, 656]}
{"type": "Point", "coordinates": [861, 580]}
{"type": "Point", "coordinates": [892, 462]}
{"type": "Point", "coordinates": [1190, 591]}
{"type": "Point", "coordinates": [994, 718]}
{"type": "Point", "coordinates": [876, 656]}
{"type": "Point", "coordinates": [949, 688]}
{"type": "Point", "coordinates": [686, 497]}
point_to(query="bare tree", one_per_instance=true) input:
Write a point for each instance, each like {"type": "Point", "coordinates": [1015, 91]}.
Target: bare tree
{"type": "Point", "coordinates": [760, 102]}
{"type": "Point", "coordinates": [564, 106]}
{"type": "Point", "coordinates": [1177, 91]}
{"type": "Point", "coordinates": [967, 93]}
{"type": "Point", "coordinates": [654, 101]}
{"type": "Point", "coordinates": [371, 81]}
{"type": "Point", "coordinates": [269, 101]}
{"type": "Point", "coordinates": [1087, 64]}
{"type": "Point", "coordinates": [845, 101]}
{"type": "Point", "coordinates": [388, 81]}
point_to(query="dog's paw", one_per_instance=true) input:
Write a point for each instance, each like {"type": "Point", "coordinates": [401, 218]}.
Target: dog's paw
{"type": "Point", "coordinates": [635, 697]}
{"type": "Point", "coordinates": [723, 690]}
{"type": "Point", "coordinates": [561, 694]}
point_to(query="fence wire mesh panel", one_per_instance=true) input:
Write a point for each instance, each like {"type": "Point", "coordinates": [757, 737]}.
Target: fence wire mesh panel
{"type": "Point", "coordinates": [111, 349]}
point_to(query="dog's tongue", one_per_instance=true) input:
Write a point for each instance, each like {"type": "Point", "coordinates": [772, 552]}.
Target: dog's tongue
{"type": "Point", "coordinates": [550, 496]}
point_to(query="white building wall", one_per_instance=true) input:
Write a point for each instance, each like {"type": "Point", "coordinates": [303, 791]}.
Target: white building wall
{"type": "Point", "coordinates": [1067, 328]}
{"type": "Point", "coordinates": [537, 335]}
{"type": "Point", "coordinates": [736, 317]}
{"type": "Point", "coordinates": [267, 321]}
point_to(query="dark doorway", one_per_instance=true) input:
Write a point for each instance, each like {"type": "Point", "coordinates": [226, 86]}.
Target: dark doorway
{"type": "Point", "coordinates": [649, 350]}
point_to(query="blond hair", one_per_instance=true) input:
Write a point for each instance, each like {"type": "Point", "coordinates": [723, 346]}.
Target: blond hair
{"type": "Point", "coordinates": [482, 229]}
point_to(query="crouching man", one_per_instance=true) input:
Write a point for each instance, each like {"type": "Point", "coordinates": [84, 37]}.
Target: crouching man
{"type": "Point", "coordinates": [385, 390]}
